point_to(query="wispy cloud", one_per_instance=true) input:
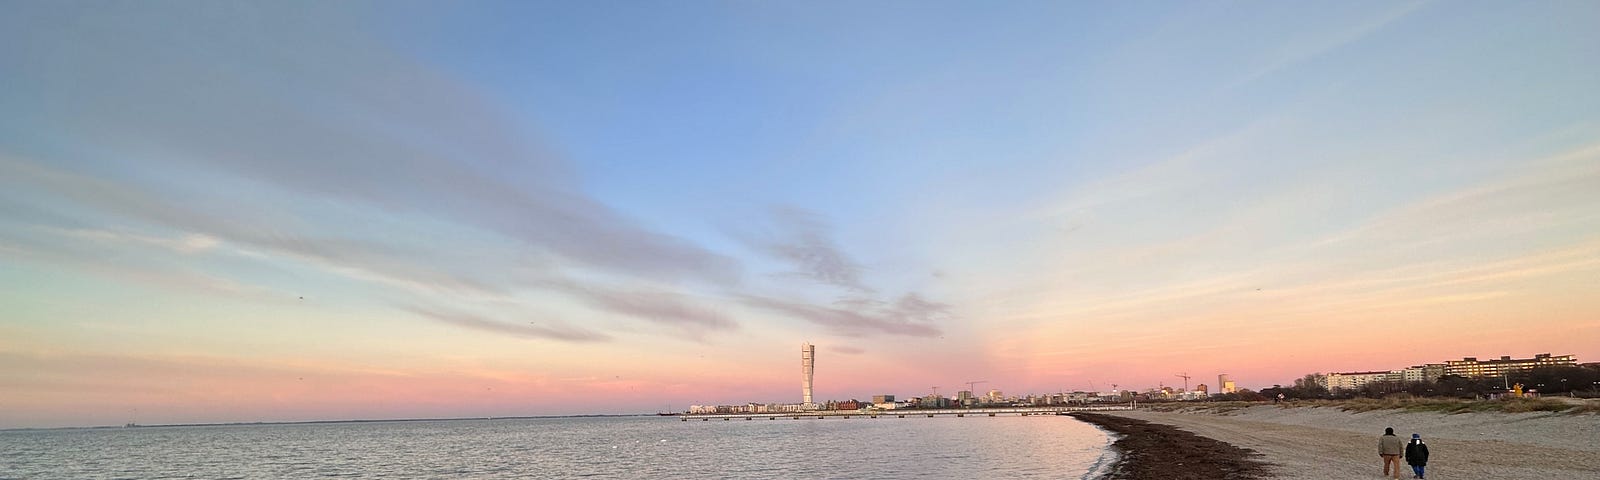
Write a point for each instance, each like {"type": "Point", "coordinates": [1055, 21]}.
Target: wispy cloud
{"type": "Point", "coordinates": [910, 315]}
{"type": "Point", "coordinates": [305, 120]}
{"type": "Point", "coordinates": [1297, 50]}
{"type": "Point", "coordinates": [84, 251]}
{"type": "Point", "coordinates": [802, 240]}
{"type": "Point", "coordinates": [361, 258]}
{"type": "Point", "coordinates": [846, 349]}
{"type": "Point", "coordinates": [1195, 165]}
{"type": "Point", "coordinates": [190, 243]}
{"type": "Point", "coordinates": [655, 306]}
{"type": "Point", "coordinates": [545, 329]}
{"type": "Point", "coordinates": [299, 155]}
{"type": "Point", "coordinates": [1525, 198]}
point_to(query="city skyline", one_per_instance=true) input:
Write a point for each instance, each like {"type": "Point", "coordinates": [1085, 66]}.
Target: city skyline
{"type": "Point", "coordinates": [233, 212]}
{"type": "Point", "coordinates": [1427, 371]}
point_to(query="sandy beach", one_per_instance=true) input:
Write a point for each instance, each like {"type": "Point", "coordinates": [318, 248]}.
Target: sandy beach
{"type": "Point", "coordinates": [1318, 443]}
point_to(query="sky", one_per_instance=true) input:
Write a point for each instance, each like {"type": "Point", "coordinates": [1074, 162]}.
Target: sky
{"type": "Point", "coordinates": [280, 211]}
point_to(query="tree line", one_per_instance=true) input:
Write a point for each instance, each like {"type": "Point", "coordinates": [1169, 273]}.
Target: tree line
{"type": "Point", "coordinates": [1575, 381]}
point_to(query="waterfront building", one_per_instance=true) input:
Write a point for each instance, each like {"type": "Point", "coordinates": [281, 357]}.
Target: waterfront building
{"type": "Point", "coordinates": [1224, 384]}
{"type": "Point", "coordinates": [1471, 367]}
{"type": "Point", "coordinates": [1422, 373]}
{"type": "Point", "coordinates": [1201, 390]}
{"type": "Point", "coordinates": [965, 398]}
{"type": "Point", "coordinates": [1082, 397]}
{"type": "Point", "coordinates": [878, 399]}
{"type": "Point", "coordinates": [808, 357]}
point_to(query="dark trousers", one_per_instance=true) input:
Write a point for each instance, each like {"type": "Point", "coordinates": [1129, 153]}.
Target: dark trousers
{"type": "Point", "coordinates": [1417, 469]}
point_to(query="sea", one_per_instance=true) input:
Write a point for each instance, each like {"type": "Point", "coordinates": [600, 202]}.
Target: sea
{"type": "Point", "coordinates": [1039, 446]}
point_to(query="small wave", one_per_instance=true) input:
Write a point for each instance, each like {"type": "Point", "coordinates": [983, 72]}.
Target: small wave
{"type": "Point", "coordinates": [1106, 463]}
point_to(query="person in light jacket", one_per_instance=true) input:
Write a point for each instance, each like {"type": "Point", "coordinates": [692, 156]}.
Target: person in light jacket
{"type": "Point", "coordinates": [1417, 455]}
{"type": "Point", "coordinates": [1390, 448]}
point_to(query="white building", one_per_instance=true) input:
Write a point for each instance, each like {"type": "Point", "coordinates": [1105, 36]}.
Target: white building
{"type": "Point", "coordinates": [808, 358]}
{"type": "Point", "coordinates": [1422, 373]}
{"type": "Point", "coordinates": [1354, 380]}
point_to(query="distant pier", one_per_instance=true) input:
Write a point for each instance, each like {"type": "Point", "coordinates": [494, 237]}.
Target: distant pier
{"type": "Point", "coordinates": [905, 413]}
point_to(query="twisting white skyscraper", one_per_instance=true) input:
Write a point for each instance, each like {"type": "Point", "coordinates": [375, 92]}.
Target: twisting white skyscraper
{"type": "Point", "coordinates": [808, 357]}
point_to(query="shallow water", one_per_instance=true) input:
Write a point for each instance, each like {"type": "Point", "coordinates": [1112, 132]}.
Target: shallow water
{"type": "Point", "coordinates": [629, 447]}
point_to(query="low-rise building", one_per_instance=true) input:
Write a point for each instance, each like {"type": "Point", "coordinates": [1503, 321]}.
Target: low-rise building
{"type": "Point", "coordinates": [1354, 380]}
{"type": "Point", "coordinates": [1471, 367]}
{"type": "Point", "coordinates": [1422, 373]}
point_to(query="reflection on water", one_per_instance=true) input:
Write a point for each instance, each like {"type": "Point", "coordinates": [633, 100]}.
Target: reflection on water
{"type": "Point", "coordinates": [636, 447]}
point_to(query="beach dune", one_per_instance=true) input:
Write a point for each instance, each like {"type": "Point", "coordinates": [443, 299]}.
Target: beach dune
{"type": "Point", "coordinates": [1317, 443]}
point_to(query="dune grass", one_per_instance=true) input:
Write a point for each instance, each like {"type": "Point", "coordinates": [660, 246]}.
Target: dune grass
{"type": "Point", "coordinates": [1451, 405]}
{"type": "Point", "coordinates": [1402, 402]}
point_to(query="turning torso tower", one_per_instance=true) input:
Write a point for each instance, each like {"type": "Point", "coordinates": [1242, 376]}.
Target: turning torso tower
{"type": "Point", "coordinates": [808, 357]}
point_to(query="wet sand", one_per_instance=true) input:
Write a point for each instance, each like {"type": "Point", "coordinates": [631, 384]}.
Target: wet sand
{"type": "Point", "coordinates": [1156, 451]}
{"type": "Point", "coordinates": [1326, 443]}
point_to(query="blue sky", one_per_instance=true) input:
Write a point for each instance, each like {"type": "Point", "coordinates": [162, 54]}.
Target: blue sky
{"type": "Point", "coordinates": [620, 200]}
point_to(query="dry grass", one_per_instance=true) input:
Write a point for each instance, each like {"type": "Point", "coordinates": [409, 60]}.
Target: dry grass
{"type": "Point", "coordinates": [1448, 405]}
{"type": "Point", "coordinates": [1401, 402]}
{"type": "Point", "coordinates": [1590, 407]}
{"type": "Point", "coordinates": [1200, 407]}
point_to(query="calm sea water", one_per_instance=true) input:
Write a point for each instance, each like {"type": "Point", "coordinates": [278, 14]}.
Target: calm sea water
{"type": "Point", "coordinates": [633, 447]}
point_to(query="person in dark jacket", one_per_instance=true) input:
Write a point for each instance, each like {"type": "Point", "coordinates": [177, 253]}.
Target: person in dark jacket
{"type": "Point", "coordinates": [1416, 455]}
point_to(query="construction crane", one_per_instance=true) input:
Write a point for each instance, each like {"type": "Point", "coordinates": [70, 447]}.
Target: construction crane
{"type": "Point", "coordinates": [972, 384]}
{"type": "Point", "coordinates": [935, 391]}
{"type": "Point", "coordinates": [1185, 377]}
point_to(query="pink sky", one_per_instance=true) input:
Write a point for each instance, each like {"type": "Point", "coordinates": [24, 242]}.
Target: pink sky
{"type": "Point", "coordinates": [547, 208]}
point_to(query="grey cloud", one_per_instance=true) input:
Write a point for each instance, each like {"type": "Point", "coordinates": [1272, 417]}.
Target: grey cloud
{"type": "Point", "coordinates": [143, 270]}
{"type": "Point", "coordinates": [858, 303]}
{"type": "Point", "coordinates": [555, 331]}
{"type": "Point", "coordinates": [804, 241]}
{"type": "Point", "coordinates": [912, 307]}
{"type": "Point", "coordinates": [657, 307]}
{"type": "Point", "coordinates": [896, 320]}
{"type": "Point", "coordinates": [369, 259]}
{"type": "Point", "coordinates": [325, 112]}
{"type": "Point", "coordinates": [846, 349]}
{"type": "Point", "coordinates": [429, 271]}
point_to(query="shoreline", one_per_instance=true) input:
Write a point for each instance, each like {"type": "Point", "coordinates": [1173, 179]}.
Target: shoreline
{"type": "Point", "coordinates": [1147, 450]}
{"type": "Point", "coordinates": [1323, 443]}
